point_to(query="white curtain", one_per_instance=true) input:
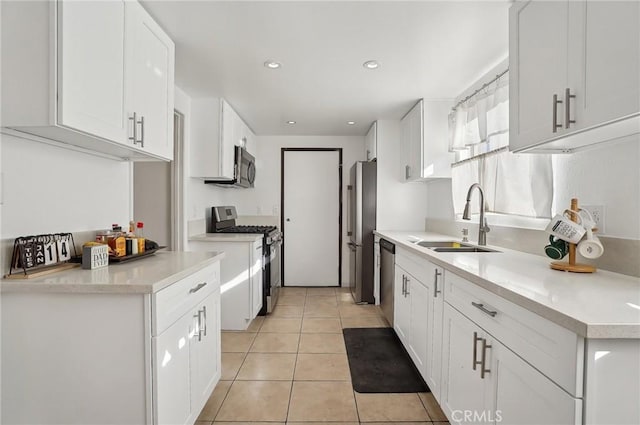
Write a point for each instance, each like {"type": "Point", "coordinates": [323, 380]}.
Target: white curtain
{"type": "Point", "coordinates": [463, 175]}
{"type": "Point", "coordinates": [519, 184]}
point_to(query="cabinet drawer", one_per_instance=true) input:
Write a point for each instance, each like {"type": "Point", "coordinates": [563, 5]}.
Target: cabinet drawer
{"type": "Point", "coordinates": [169, 304]}
{"type": "Point", "coordinates": [550, 348]}
{"type": "Point", "coordinates": [416, 266]}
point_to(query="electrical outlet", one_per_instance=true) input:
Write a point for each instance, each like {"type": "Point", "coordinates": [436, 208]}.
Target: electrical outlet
{"type": "Point", "coordinates": [597, 211]}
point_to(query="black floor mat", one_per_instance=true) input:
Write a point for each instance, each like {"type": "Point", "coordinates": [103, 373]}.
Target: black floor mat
{"type": "Point", "coordinates": [379, 363]}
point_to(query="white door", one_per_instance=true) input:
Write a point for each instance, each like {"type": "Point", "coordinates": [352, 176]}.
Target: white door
{"type": "Point", "coordinates": [311, 210]}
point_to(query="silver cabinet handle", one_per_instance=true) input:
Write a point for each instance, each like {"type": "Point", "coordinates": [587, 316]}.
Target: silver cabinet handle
{"type": "Point", "coordinates": [435, 283]}
{"type": "Point", "coordinates": [199, 325]}
{"type": "Point", "coordinates": [555, 125]}
{"type": "Point", "coordinates": [204, 321]}
{"type": "Point", "coordinates": [567, 108]}
{"type": "Point", "coordinates": [483, 362]}
{"type": "Point", "coordinates": [404, 282]}
{"type": "Point", "coordinates": [406, 291]}
{"type": "Point", "coordinates": [197, 287]}
{"type": "Point", "coordinates": [475, 350]}
{"type": "Point", "coordinates": [141, 122]}
{"type": "Point", "coordinates": [134, 120]}
{"type": "Point", "coordinates": [407, 172]}
{"type": "Point", "coordinates": [482, 308]}
{"type": "Point", "coordinates": [368, 154]}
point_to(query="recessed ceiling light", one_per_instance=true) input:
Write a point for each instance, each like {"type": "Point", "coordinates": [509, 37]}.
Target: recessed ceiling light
{"type": "Point", "coordinates": [272, 64]}
{"type": "Point", "coordinates": [351, 122]}
{"type": "Point", "coordinates": [291, 122]}
{"type": "Point", "coordinates": [371, 64]}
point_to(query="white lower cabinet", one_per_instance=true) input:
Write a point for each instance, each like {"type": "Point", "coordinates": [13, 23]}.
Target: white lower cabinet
{"type": "Point", "coordinates": [171, 354]}
{"type": "Point", "coordinates": [488, 360]}
{"type": "Point", "coordinates": [186, 351]}
{"type": "Point", "coordinates": [485, 382]}
{"type": "Point", "coordinates": [112, 358]}
{"type": "Point", "coordinates": [241, 277]}
{"type": "Point", "coordinates": [205, 357]}
{"type": "Point", "coordinates": [401, 307]}
{"type": "Point", "coordinates": [418, 314]}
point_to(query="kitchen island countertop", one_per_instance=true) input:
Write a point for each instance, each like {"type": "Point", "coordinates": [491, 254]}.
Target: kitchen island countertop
{"type": "Point", "coordinates": [594, 305]}
{"type": "Point", "coordinates": [144, 276]}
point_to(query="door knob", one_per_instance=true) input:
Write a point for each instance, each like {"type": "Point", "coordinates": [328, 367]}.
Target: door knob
{"type": "Point", "coordinates": [288, 219]}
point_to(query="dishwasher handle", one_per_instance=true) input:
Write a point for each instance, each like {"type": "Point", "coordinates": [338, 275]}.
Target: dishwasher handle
{"type": "Point", "coordinates": [387, 246]}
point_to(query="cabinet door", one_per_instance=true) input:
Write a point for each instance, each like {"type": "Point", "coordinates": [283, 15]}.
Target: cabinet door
{"type": "Point", "coordinates": [227, 144]}
{"type": "Point", "coordinates": [91, 68]}
{"type": "Point", "coordinates": [411, 138]}
{"type": "Point", "coordinates": [462, 387]}
{"type": "Point", "coordinates": [205, 352]}
{"type": "Point", "coordinates": [256, 278]}
{"type": "Point", "coordinates": [401, 307]}
{"type": "Point", "coordinates": [419, 322]}
{"type": "Point", "coordinates": [607, 62]}
{"type": "Point", "coordinates": [525, 396]}
{"type": "Point", "coordinates": [172, 371]}
{"type": "Point", "coordinates": [433, 367]}
{"type": "Point", "coordinates": [150, 76]}
{"type": "Point", "coordinates": [416, 139]}
{"type": "Point", "coordinates": [538, 38]}
{"type": "Point", "coordinates": [370, 148]}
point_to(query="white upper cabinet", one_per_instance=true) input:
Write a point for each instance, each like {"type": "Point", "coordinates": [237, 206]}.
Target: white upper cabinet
{"type": "Point", "coordinates": [216, 129]}
{"type": "Point", "coordinates": [149, 84]}
{"type": "Point", "coordinates": [574, 69]}
{"type": "Point", "coordinates": [75, 72]}
{"type": "Point", "coordinates": [91, 59]}
{"type": "Point", "coordinates": [424, 143]}
{"type": "Point", "coordinates": [371, 142]}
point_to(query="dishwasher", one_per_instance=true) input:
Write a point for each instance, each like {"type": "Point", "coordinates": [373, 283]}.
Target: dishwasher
{"type": "Point", "coordinates": [387, 274]}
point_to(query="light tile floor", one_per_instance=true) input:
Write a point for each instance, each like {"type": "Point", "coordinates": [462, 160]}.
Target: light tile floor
{"type": "Point", "coordinates": [291, 368]}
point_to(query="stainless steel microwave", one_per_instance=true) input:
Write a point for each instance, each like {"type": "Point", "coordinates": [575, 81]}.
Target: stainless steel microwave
{"type": "Point", "coordinates": [244, 170]}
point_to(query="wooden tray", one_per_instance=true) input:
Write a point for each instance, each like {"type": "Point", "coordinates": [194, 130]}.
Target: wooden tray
{"type": "Point", "coordinates": [133, 257]}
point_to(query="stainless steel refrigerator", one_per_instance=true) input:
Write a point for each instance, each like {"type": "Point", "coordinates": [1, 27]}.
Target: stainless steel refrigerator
{"type": "Point", "coordinates": [361, 222]}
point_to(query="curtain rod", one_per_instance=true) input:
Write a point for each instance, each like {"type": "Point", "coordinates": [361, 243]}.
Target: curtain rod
{"type": "Point", "coordinates": [482, 155]}
{"type": "Point", "coordinates": [485, 85]}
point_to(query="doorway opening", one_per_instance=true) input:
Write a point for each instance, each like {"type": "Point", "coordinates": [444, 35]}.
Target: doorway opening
{"type": "Point", "coordinates": [158, 194]}
{"type": "Point", "coordinates": [311, 216]}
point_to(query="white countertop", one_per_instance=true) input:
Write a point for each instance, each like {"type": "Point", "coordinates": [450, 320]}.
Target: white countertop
{"type": "Point", "coordinates": [144, 276]}
{"type": "Point", "coordinates": [226, 237]}
{"type": "Point", "coordinates": [594, 305]}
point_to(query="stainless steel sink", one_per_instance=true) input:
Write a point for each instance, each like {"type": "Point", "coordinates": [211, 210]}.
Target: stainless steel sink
{"type": "Point", "coordinates": [464, 249]}
{"type": "Point", "coordinates": [452, 246]}
{"type": "Point", "coordinates": [439, 244]}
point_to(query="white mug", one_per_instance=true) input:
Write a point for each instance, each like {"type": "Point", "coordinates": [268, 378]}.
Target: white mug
{"type": "Point", "coordinates": [590, 247]}
{"type": "Point", "coordinates": [563, 228]}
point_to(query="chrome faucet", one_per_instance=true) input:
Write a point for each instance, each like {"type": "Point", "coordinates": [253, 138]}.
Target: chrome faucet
{"type": "Point", "coordinates": [483, 228]}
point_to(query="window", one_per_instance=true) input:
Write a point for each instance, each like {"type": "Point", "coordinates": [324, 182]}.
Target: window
{"type": "Point", "coordinates": [513, 184]}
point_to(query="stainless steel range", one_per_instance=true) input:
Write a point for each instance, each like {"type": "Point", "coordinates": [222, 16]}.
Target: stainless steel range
{"type": "Point", "coordinates": [223, 220]}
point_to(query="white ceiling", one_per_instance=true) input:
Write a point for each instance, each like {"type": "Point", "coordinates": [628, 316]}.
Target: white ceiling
{"type": "Point", "coordinates": [426, 49]}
